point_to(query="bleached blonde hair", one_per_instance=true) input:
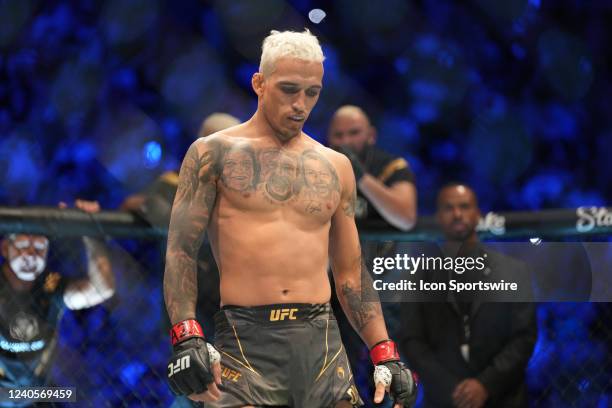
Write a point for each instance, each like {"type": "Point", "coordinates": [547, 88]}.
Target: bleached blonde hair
{"type": "Point", "coordinates": [279, 44]}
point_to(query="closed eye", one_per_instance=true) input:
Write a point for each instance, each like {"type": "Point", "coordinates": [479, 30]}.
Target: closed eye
{"type": "Point", "coordinates": [290, 89]}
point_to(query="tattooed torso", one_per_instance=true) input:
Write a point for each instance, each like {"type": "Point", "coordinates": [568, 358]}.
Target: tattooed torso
{"type": "Point", "coordinates": [270, 219]}
{"type": "Point", "coordinates": [301, 184]}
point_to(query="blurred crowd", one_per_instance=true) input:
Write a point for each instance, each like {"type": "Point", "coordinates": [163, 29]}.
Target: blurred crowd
{"type": "Point", "coordinates": [443, 81]}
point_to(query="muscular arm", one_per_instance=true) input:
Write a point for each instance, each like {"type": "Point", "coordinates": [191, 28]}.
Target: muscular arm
{"type": "Point", "coordinates": [360, 303]}
{"type": "Point", "coordinates": [100, 282]}
{"type": "Point", "coordinates": [191, 211]}
{"type": "Point", "coordinates": [397, 203]}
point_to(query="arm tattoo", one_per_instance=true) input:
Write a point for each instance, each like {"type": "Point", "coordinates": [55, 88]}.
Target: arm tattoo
{"type": "Point", "coordinates": [360, 304]}
{"type": "Point", "coordinates": [193, 204]}
{"type": "Point", "coordinates": [348, 206]}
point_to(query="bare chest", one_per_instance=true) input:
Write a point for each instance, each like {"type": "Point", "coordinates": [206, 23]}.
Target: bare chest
{"type": "Point", "coordinates": [301, 184]}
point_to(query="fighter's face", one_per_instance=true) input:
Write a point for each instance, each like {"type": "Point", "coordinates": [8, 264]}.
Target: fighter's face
{"type": "Point", "coordinates": [289, 93]}
{"type": "Point", "coordinates": [318, 176]}
{"type": "Point", "coordinates": [352, 131]}
{"type": "Point", "coordinates": [26, 255]}
{"type": "Point", "coordinates": [458, 212]}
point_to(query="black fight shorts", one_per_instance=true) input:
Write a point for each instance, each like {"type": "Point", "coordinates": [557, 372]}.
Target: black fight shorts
{"type": "Point", "coordinates": [286, 355]}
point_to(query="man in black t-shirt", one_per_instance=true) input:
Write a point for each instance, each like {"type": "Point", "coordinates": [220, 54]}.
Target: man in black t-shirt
{"type": "Point", "coordinates": [386, 188]}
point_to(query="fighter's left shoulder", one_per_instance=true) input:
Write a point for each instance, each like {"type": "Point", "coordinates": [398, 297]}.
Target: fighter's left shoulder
{"type": "Point", "coordinates": [339, 161]}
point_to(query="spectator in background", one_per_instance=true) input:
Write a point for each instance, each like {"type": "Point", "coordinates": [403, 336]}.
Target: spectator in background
{"type": "Point", "coordinates": [385, 182]}
{"type": "Point", "coordinates": [155, 203]}
{"type": "Point", "coordinates": [466, 351]}
{"type": "Point", "coordinates": [32, 299]}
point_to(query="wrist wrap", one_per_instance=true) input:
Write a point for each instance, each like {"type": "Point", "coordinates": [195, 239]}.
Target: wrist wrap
{"type": "Point", "coordinates": [185, 330]}
{"type": "Point", "coordinates": [384, 351]}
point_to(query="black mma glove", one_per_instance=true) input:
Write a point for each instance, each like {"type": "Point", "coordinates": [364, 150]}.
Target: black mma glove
{"type": "Point", "coordinates": [358, 167]}
{"type": "Point", "coordinates": [189, 370]}
{"type": "Point", "coordinates": [389, 370]}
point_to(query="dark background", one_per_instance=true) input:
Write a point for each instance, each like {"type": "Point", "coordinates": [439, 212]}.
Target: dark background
{"type": "Point", "coordinates": [99, 98]}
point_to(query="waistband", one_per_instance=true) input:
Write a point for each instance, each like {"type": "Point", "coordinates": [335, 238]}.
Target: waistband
{"type": "Point", "coordinates": [277, 313]}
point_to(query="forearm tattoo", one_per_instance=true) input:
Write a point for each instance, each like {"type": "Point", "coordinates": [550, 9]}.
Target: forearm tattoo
{"type": "Point", "coordinates": [361, 302]}
{"type": "Point", "coordinates": [348, 206]}
{"type": "Point", "coordinates": [193, 204]}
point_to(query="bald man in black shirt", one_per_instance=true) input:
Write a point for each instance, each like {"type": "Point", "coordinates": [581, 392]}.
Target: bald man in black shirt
{"type": "Point", "coordinates": [386, 188]}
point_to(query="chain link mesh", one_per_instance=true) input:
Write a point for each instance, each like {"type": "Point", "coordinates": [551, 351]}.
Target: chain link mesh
{"type": "Point", "coordinates": [115, 354]}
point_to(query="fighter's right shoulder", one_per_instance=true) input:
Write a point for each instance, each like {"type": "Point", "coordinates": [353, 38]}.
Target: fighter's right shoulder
{"type": "Point", "coordinates": [221, 139]}
{"type": "Point", "coordinates": [209, 147]}
{"type": "Point", "coordinates": [203, 156]}
{"type": "Point", "coordinates": [207, 142]}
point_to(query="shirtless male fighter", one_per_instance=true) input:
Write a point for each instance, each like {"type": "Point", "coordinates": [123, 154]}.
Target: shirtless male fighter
{"type": "Point", "coordinates": [278, 208]}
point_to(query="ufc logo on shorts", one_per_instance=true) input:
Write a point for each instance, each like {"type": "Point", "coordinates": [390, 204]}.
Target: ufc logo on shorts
{"type": "Point", "coordinates": [230, 374]}
{"type": "Point", "coordinates": [180, 364]}
{"type": "Point", "coordinates": [282, 314]}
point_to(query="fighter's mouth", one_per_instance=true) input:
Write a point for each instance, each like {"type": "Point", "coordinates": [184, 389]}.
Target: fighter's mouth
{"type": "Point", "coordinates": [297, 118]}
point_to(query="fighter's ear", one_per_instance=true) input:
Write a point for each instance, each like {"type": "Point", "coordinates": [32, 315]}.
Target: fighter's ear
{"type": "Point", "coordinates": [258, 83]}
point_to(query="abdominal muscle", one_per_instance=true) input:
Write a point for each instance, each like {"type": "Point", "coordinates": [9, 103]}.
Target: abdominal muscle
{"type": "Point", "coordinates": [270, 261]}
